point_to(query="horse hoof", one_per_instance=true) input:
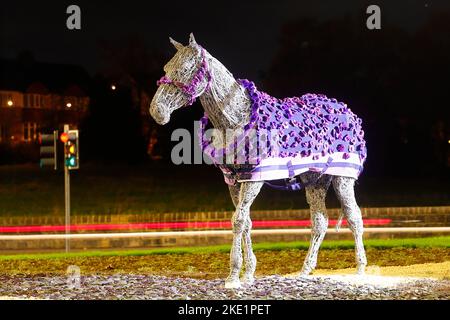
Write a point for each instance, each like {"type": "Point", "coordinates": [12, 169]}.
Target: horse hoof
{"type": "Point", "coordinates": [248, 280]}
{"type": "Point", "coordinates": [361, 270]}
{"type": "Point", "coordinates": [234, 284]}
{"type": "Point", "coordinates": [306, 271]}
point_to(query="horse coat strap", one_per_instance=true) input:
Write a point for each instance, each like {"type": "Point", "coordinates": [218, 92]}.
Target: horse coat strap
{"type": "Point", "coordinates": [228, 174]}
{"type": "Point", "coordinates": [290, 185]}
{"type": "Point", "coordinates": [327, 165]}
{"type": "Point", "coordinates": [290, 169]}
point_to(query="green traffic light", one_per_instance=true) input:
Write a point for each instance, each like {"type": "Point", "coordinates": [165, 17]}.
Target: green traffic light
{"type": "Point", "coordinates": [71, 161]}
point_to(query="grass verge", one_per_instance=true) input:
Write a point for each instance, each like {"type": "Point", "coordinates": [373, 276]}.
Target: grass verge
{"type": "Point", "coordinates": [430, 242]}
{"type": "Point", "coordinates": [25, 190]}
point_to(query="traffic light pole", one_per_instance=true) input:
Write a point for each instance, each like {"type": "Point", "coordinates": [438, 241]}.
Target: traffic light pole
{"type": "Point", "coordinates": [67, 198]}
{"type": "Point", "coordinates": [49, 157]}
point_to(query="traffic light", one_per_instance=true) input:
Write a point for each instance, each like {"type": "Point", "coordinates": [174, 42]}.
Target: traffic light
{"type": "Point", "coordinates": [71, 154]}
{"type": "Point", "coordinates": [48, 150]}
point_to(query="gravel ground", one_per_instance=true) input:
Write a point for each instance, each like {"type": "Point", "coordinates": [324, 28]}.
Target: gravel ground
{"type": "Point", "coordinates": [128, 286]}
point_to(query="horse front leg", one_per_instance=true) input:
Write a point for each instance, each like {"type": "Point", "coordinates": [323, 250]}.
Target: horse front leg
{"type": "Point", "coordinates": [249, 256]}
{"type": "Point", "coordinates": [247, 194]}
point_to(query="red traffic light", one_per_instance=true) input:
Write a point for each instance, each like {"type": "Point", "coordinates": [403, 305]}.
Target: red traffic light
{"type": "Point", "coordinates": [64, 137]}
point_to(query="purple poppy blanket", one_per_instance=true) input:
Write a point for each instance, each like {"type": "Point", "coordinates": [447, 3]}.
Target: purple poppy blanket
{"type": "Point", "coordinates": [299, 134]}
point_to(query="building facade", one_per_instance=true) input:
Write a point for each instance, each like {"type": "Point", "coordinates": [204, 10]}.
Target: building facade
{"type": "Point", "coordinates": [38, 97]}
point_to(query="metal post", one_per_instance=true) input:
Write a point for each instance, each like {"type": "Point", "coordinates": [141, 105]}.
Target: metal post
{"type": "Point", "coordinates": [67, 198]}
{"type": "Point", "coordinates": [55, 149]}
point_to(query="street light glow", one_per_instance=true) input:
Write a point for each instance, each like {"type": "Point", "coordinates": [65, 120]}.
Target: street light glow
{"type": "Point", "coordinates": [68, 104]}
{"type": "Point", "coordinates": [113, 87]}
{"type": "Point", "coordinates": [10, 103]}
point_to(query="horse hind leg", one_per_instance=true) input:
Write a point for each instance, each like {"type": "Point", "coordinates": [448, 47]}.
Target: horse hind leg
{"type": "Point", "coordinates": [315, 196]}
{"type": "Point", "coordinates": [344, 188]}
{"type": "Point", "coordinates": [247, 194]}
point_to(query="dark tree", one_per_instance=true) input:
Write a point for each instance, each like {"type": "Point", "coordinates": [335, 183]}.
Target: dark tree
{"type": "Point", "coordinates": [112, 132]}
{"type": "Point", "coordinates": [394, 80]}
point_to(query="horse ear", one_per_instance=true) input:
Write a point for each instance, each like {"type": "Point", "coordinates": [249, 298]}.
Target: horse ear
{"type": "Point", "coordinates": [192, 41]}
{"type": "Point", "coordinates": [176, 44]}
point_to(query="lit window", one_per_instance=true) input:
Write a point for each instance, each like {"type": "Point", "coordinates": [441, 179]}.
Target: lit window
{"type": "Point", "coordinates": [30, 131]}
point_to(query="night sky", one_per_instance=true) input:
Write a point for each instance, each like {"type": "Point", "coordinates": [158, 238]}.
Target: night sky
{"type": "Point", "coordinates": [397, 76]}
{"type": "Point", "coordinates": [244, 35]}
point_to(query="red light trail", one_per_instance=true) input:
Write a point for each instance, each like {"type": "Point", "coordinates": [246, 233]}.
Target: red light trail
{"type": "Point", "coordinates": [176, 225]}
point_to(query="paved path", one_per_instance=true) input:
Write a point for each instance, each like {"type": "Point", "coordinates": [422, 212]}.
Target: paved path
{"type": "Point", "coordinates": [270, 287]}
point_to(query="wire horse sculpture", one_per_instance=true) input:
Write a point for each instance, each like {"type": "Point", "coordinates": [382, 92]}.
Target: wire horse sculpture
{"type": "Point", "coordinates": [312, 142]}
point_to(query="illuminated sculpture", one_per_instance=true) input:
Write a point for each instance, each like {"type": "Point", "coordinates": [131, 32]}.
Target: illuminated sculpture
{"type": "Point", "coordinates": [311, 137]}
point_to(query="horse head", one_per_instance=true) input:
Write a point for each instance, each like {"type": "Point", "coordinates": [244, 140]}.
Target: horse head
{"type": "Point", "coordinates": [187, 76]}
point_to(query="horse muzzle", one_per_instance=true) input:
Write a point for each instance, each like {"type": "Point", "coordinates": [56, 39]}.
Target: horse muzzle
{"type": "Point", "coordinates": [161, 118]}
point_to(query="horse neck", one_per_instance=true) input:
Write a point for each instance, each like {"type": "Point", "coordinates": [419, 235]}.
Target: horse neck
{"type": "Point", "coordinates": [226, 102]}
